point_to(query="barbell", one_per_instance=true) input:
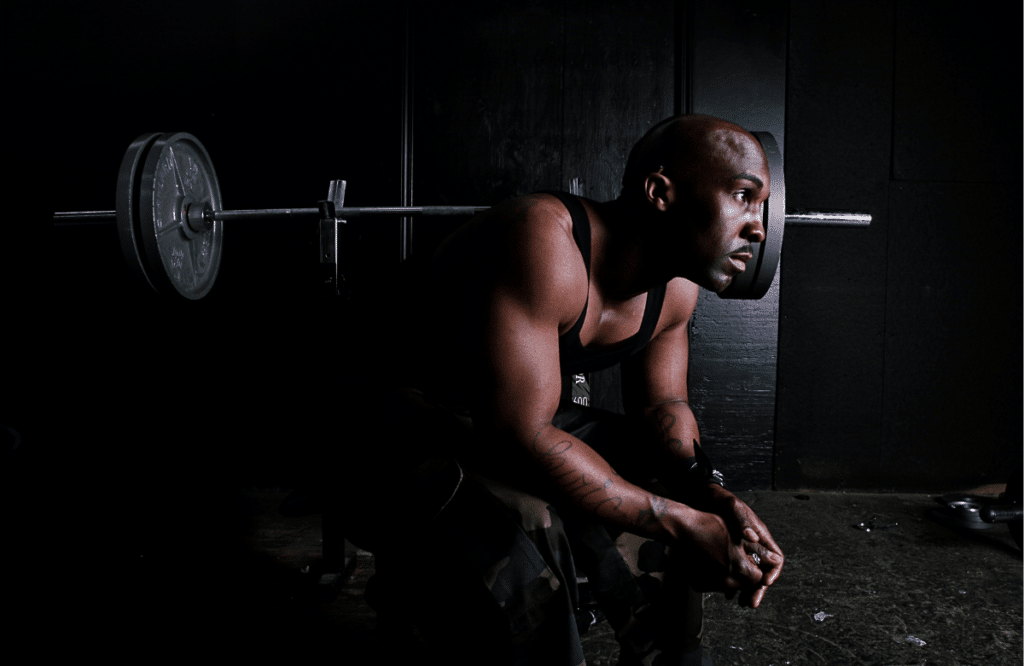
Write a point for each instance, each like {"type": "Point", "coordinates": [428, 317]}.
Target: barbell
{"type": "Point", "coordinates": [170, 219]}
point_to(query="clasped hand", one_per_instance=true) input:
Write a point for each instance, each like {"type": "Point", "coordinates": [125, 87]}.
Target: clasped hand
{"type": "Point", "coordinates": [734, 550]}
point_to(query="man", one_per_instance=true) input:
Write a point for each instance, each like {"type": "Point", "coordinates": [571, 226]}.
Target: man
{"type": "Point", "coordinates": [547, 286]}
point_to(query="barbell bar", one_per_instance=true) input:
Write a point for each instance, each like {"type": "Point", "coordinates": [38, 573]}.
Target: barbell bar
{"type": "Point", "coordinates": [171, 223]}
{"type": "Point", "coordinates": [793, 219]}
{"type": "Point", "coordinates": [280, 214]}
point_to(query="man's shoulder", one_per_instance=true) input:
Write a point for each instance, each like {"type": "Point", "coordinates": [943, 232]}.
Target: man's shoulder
{"type": "Point", "coordinates": [538, 235]}
{"type": "Point", "coordinates": [539, 213]}
{"type": "Point", "coordinates": [680, 302]}
{"type": "Point", "coordinates": [522, 247]}
{"type": "Point", "coordinates": [541, 241]}
{"type": "Point", "coordinates": [517, 221]}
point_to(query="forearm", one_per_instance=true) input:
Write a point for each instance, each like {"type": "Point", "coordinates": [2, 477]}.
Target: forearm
{"type": "Point", "coordinates": [675, 429]}
{"type": "Point", "coordinates": [593, 486]}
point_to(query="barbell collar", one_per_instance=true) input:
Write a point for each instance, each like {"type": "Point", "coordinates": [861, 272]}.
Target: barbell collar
{"type": "Point", "coordinates": [199, 216]}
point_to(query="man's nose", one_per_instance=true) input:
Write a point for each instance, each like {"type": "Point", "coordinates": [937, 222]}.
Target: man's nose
{"type": "Point", "coordinates": [755, 230]}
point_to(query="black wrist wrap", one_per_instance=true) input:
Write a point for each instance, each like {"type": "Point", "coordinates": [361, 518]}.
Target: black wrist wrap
{"type": "Point", "coordinates": [701, 472]}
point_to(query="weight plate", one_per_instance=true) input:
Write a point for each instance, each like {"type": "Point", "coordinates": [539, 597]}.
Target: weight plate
{"type": "Point", "coordinates": [127, 205]}
{"type": "Point", "coordinates": [161, 175]}
{"type": "Point", "coordinates": [755, 281]}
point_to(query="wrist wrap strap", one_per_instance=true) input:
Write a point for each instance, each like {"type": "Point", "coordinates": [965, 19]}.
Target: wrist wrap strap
{"type": "Point", "coordinates": [701, 472]}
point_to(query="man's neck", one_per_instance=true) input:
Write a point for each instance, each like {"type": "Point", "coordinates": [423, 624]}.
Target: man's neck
{"type": "Point", "coordinates": [620, 268]}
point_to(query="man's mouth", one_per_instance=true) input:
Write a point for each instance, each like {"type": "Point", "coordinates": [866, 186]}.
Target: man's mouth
{"type": "Point", "coordinates": [740, 261]}
{"type": "Point", "coordinates": [740, 257]}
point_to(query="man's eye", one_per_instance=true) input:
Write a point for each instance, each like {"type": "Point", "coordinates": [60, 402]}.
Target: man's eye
{"type": "Point", "coordinates": [743, 195]}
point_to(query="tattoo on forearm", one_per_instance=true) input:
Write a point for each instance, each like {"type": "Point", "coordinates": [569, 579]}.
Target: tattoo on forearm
{"type": "Point", "coordinates": [665, 425]}
{"type": "Point", "coordinates": [649, 516]}
{"type": "Point", "coordinates": [588, 491]}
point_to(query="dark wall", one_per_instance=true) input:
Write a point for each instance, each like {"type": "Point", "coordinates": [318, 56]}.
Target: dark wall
{"type": "Point", "coordinates": [553, 95]}
{"type": "Point", "coordinates": [737, 71]}
{"type": "Point", "coordinates": [508, 98]}
{"type": "Point", "coordinates": [511, 100]}
{"type": "Point", "coordinates": [877, 386]}
{"type": "Point", "coordinates": [900, 344]}
{"type": "Point", "coordinates": [139, 417]}
{"type": "Point", "coordinates": [229, 386]}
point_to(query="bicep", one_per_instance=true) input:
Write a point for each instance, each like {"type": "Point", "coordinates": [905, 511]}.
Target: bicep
{"type": "Point", "coordinates": [521, 363]}
{"type": "Point", "coordinates": [665, 364]}
{"type": "Point", "coordinates": [658, 374]}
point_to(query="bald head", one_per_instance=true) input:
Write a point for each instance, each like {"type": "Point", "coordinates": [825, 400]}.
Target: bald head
{"type": "Point", "coordinates": [684, 147]}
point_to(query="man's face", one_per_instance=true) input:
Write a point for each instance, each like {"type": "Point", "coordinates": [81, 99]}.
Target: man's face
{"type": "Point", "coordinates": [721, 211]}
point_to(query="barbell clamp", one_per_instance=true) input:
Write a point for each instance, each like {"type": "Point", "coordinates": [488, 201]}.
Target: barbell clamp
{"type": "Point", "coordinates": [329, 223]}
{"type": "Point", "coordinates": [199, 216]}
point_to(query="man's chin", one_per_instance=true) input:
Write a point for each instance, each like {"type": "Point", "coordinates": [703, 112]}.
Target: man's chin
{"type": "Point", "coordinates": [716, 283]}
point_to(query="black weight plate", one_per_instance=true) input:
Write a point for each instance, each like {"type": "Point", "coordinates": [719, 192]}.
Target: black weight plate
{"type": "Point", "coordinates": [161, 176]}
{"type": "Point", "coordinates": [127, 202]}
{"type": "Point", "coordinates": [755, 281]}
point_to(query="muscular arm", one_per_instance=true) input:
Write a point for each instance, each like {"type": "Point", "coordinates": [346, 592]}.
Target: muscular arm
{"type": "Point", "coordinates": [663, 391]}
{"type": "Point", "coordinates": [541, 292]}
{"type": "Point", "coordinates": [655, 385]}
{"type": "Point", "coordinates": [543, 288]}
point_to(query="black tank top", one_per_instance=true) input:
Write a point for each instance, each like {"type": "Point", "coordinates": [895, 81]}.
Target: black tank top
{"type": "Point", "coordinates": [573, 356]}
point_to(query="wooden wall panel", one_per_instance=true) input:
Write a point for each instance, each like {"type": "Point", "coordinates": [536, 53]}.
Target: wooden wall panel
{"type": "Point", "coordinates": [957, 109]}
{"type": "Point", "coordinates": [488, 107]}
{"type": "Point", "coordinates": [953, 358]}
{"type": "Point", "coordinates": [540, 96]}
{"type": "Point", "coordinates": [953, 391]}
{"type": "Point", "coordinates": [619, 82]}
{"type": "Point", "coordinates": [738, 68]}
{"type": "Point", "coordinates": [269, 89]}
{"type": "Point", "coordinates": [488, 102]}
{"type": "Point", "coordinates": [900, 344]}
{"type": "Point", "coordinates": [839, 128]}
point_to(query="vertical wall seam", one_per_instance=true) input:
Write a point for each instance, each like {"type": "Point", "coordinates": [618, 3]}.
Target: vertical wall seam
{"type": "Point", "coordinates": [691, 53]}
{"type": "Point", "coordinates": [883, 417]}
{"type": "Point", "coordinates": [778, 324]}
{"type": "Point", "coordinates": [562, 175]}
{"type": "Point", "coordinates": [677, 52]}
{"type": "Point", "coordinates": [406, 186]}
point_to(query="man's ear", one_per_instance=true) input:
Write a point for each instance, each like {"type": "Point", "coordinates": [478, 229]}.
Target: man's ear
{"type": "Point", "coordinates": [659, 190]}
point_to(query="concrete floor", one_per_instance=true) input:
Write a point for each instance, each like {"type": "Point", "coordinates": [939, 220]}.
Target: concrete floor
{"type": "Point", "coordinates": [198, 574]}
{"type": "Point", "coordinates": [915, 592]}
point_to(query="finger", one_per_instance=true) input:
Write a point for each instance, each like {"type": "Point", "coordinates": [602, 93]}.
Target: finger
{"type": "Point", "coordinates": [771, 564]}
{"type": "Point", "coordinates": [770, 553]}
{"type": "Point", "coordinates": [772, 574]}
{"type": "Point", "coordinates": [752, 522]}
{"type": "Point", "coordinates": [750, 534]}
{"type": "Point", "coordinates": [768, 562]}
{"type": "Point", "coordinates": [759, 596]}
{"type": "Point", "coordinates": [766, 539]}
{"type": "Point", "coordinates": [749, 569]}
{"type": "Point", "coordinates": [751, 597]}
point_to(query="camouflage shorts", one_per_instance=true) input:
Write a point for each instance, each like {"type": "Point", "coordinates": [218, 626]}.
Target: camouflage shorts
{"type": "Point", "coordinates": [530, 553]}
